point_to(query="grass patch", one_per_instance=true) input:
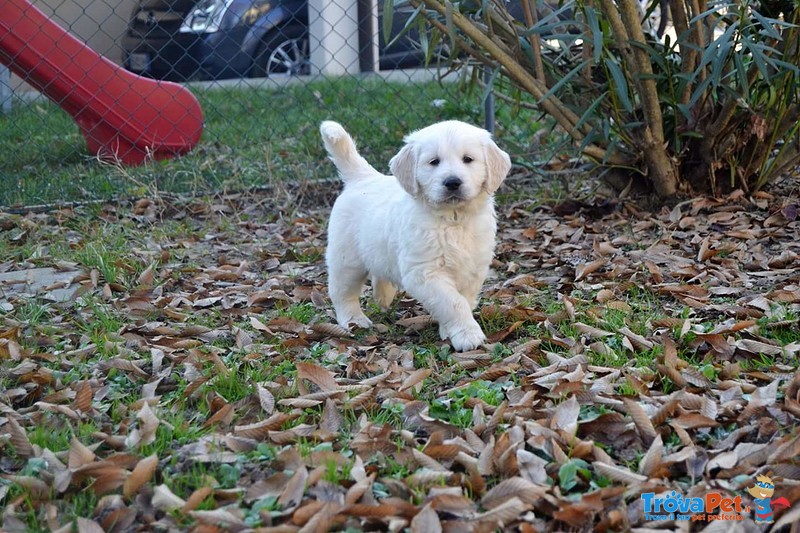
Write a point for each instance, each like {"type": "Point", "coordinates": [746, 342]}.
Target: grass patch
{"type": "Point", "coordinates": [251, 136]}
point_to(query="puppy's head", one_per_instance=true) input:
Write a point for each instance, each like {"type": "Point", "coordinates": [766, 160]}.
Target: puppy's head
{"type": "Point", "coordinates": [450, 163]}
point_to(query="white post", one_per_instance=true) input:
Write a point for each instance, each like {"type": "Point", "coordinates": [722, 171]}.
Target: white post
{"type": "Point", "coordinates": [375, 37]}
{"type": "Point", "coordinates": [333, 36]}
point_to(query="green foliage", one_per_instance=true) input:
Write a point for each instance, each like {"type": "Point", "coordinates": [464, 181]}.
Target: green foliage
{"type": "Point", "coordinates": [453, 409]}
{"type": "Point", "coordinates": [712, 104]}
{"type": "Point", "coordinates": [571, 472]}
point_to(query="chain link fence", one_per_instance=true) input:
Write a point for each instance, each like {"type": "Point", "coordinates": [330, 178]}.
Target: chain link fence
{"type": "Point", "coordinates": [252, 80]}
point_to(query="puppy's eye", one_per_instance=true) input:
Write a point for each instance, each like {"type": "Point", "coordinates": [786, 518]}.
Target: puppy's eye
{"type": "Point", "coordinates": [434, 162]}
{"type": "Point", "coordinates": [467, 159]}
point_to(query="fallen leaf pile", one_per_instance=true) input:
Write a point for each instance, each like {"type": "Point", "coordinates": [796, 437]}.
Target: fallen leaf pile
{"type": "Point", "coordinates": [189, 375]}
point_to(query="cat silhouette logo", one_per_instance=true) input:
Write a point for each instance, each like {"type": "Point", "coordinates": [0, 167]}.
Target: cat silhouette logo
{"type": "Point", "coordinates": [762, 492]}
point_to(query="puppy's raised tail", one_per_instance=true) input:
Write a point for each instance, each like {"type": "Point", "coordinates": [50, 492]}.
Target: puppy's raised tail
{"type": "Point", "coordinates": [342, 151]}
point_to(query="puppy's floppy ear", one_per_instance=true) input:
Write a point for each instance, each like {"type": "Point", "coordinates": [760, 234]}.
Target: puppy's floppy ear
{"type": "Point", "coordinates": [404, 167]}
{"type": "Point", "coordinates": [497, 166]}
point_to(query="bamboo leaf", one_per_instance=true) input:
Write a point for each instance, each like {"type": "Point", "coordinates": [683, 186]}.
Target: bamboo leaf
{"type": "Point", "coordinates": [388, 17]}
{"type": "Point", "coordinates": [564, 80]}
{"type": "Point", "coordinates": [597, 33]}
{"type": "Point", "coordinates": [767, 25]}
{"type": "Point", "coordinates": [620, 84]}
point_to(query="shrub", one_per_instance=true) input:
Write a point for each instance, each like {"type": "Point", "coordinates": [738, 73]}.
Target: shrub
{"type": "Point", "coordinates": [711, 105]}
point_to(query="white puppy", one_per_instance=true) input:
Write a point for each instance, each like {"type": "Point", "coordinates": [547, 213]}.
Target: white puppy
{"type": "Point", "coordinates": [429, 230]}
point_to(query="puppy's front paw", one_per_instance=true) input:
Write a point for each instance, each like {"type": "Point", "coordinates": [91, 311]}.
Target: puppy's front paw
{"type": "Point", "coordinates": [467, 337]}
{"type": "Point", "coordinates": [359, 320]}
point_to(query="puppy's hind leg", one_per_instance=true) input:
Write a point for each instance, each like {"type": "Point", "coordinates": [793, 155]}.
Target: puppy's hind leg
{"type": "Point", "coordinates": [344, 287]}
{"type": "Point", "coordinates": [383, 292]}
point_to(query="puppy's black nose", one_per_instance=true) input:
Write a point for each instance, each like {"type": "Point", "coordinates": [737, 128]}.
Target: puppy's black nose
{"type": "Point", "coordinates": [452, 183]}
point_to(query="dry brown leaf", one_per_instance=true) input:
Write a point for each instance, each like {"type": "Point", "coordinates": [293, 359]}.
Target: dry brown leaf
{"type": "Point", "coordinates": [145, 433]}
{"type": "Point", "coordinates": [292, 494]}
{"type": "Point", "coordinates": [758, 347]}
{"type": "Point", "coordinates": [223, 416]}
{"type": "Point", "coordinates": [652, 460]}
{"type": "Point", "coordinates": [427, 462]}
{"type": "Point", "coordinates": [79, 455]}
{"type": "Point", "coordinates": [331, 330]}
{"type": "Point", "coordinates": [147, 277]}
{"type": "Point", "coordinates": [639, 342]}
{"type": "Point", "coordinates": [260, 326]}
{"type": "Point", "coordinates": [363, 400]}
{"type": "Point", "coordinates": [591, 331]}
{"type": "Point", "coordinates": [302, 403]}
{"type": "Point", "coordinates": [286, 324]}
{"type": "Point", "coordinates": [426, 521]}
{"type": "Point", "coordinates": [585, 270]}
{"type": "Point", "coordinates": [618, 473]}
{"type": "Point", "coordinates": [83, 398]}
{"type": "Point", "coordinates": [381, 511]}
{"type": "Point", "coordinates": [141, 474]}
{"type": "Point", "coordinates": [260, 430]}
{"type": "Point", "coordinates": [425, 477]}
{"type": "Point", "coordinates": [194, 385]}
{"type": "Point", "coordinates": [641, 421]}
{"type": "Point", "coordinates": [415, 378]}
{"type": "Point", "coordinates": [672, 364]}
{"type": "Point", "coordinates": [124, 365]}
{"type": "Point", "coordinates": [358, 489]}
{"type": "Point", "coordinates": [36, 488]}
{"type": "Point", "coordinates": [442, 451]}
{"type": "Point", "coordinates": [324, 379]}
{"type": "Point", "coordinates": [220, 518]}
{"type": "Point", "coordinates": [266, 399]}
{"type": "Point", "coordinates": [513, 487]}
{"type": "Point", "coordinates": [330, 422]}
{"type": "Point", "coordinates": [694, 421]}
{"type": "Point", "coordinates": [666, 410]}
{"type": "Point", "coordinates": [19, 439]}
{"type": "Point", "coordinates": [503, 514]}
{"type": "Point", "coordinates": [415, 323]}
{"type": "Point", "coordinates": [322, 519]}
{"type": "Point", "coordinates": [532, 467]}
{"type": "Point", "coordinates": [604, 295]}
{"type": "Point", "coordinates": [108, 479]}
{"type": "Point", "coordinates": [86, 525]}
{"type": "Point", "coordinates": [565, 417]}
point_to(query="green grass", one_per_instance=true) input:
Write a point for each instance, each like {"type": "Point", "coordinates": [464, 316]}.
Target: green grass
{"type": "Point", "coordinates": [251, 136]}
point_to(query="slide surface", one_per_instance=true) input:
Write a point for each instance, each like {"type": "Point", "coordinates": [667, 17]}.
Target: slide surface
{"type": "Point", "coordinates": [124, 117]}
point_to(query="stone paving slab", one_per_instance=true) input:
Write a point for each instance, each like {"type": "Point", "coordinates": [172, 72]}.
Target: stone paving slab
{"type": "Point", "coordinates": [48, 283]}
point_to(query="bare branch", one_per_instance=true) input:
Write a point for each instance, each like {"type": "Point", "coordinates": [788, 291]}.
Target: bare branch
{"type": "Point", "coordinates": [531, 19]}
{"type": "Point", "coordinates": [627, 28]}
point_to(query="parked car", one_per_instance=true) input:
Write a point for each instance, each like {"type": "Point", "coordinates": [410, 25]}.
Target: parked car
{"type": "Point", "coordinates": [183, 40]}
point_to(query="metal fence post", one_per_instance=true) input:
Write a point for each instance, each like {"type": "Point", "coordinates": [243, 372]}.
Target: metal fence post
{"type": "Point", "coordinates": [333, 32]}
{"type": "Point", "coordinates": [5, 89]}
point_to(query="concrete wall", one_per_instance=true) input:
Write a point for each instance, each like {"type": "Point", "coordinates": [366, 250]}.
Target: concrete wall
{"type": "Point", "coordinates": [99, 23]}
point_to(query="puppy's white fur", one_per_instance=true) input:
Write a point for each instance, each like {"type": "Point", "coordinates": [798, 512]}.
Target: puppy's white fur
{"type": "Point", "coordinates": [429, 229]}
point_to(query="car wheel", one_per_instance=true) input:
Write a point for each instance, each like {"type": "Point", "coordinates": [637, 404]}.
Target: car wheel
{"type": "Point", "coordinates": [283, 52]}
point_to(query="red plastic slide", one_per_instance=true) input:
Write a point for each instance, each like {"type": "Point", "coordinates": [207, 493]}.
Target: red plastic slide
{"type": "Point", "coordinates": [124, 117]}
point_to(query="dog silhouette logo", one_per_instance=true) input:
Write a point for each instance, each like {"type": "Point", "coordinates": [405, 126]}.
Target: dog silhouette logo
{"type": "Point", "coordinates": [762, 492]}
